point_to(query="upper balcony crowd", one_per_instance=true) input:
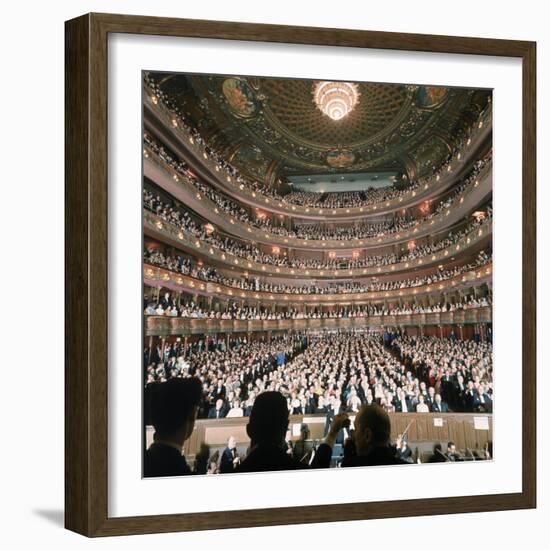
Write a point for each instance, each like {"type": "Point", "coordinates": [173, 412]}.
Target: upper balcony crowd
{"type": "Point", "coordinates": [319, 231]}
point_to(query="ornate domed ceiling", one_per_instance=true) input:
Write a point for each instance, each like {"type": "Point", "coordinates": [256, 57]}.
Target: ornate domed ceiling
{"type": "Point", "coordinates": [272, 127]}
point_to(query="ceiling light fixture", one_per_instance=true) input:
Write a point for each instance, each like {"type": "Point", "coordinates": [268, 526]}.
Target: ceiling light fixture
{"type": "Point", "coordinates": [336, 99]}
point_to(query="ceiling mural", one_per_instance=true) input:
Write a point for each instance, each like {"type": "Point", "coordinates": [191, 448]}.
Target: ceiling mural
{"type": "Point", "coordinates": [239, 96]}
{"type": "Point", "coordinates": [429, 96]}
{"type": "Point", "coordinates": [340, 158]}
{"type": "Point", "coordinates": [405, 128]}
{"type": "Point", "coordinates": [429, 153]}
{"type": "Point", "coordinates": [252, 157]}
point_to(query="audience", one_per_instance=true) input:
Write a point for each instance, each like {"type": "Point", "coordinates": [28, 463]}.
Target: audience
{"type": "Point", "coordinates": [209, 273]}
{"type": "Point", "coordinates": [340, 371]}
{"type": "Point", "coordinates": [460, 371]}
{"type": "Point", "coordinates": [233, 310]}
{"type": "Point", "coordinates": [314, 231]}
{"type": "Point", "coordinates": [342, 375]}
{"type": "Point", "coordinates": [181, 219]}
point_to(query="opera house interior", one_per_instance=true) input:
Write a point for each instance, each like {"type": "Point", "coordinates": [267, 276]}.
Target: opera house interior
{"type": "Point", "coordinates": [320, 250]}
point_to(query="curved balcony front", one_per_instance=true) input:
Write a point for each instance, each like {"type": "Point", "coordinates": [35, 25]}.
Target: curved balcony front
{"type": "Point", "coordinates": [182, 189]}
{"type": "Point", "coordinates": [163, 231]}
{"type": "Point", "coordinates": [206, 167]}
{"type": "Point", "coordinates": [155, 276]}
{"type": "Point", "coordinates": [185, 326]}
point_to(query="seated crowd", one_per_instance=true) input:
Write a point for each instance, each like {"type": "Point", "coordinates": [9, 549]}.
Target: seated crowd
{"type": "Point", "coordinates": [311, 231]}
{"type": "Point", "coordinates": [168, 306]}
{"type": "Point", "coordinates": [348, 199]}
{"type": "Point", "coordinates": [181, 219]}
{"type": "Point", "coordinates": [335, 371]}
{"type": "Point", "coordinates": [175, 404]}
{"type": "Point", "coordinates": [462, 371]}
{"type": "Point", "coordinates": [181, 264]}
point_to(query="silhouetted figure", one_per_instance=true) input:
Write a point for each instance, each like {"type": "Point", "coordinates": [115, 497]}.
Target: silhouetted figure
{"type": "Point", "coordinates": [202, 458]}
{"type": "Point", "coordinates": [267, 429]}
{"type": "Point", "coordinates": [174, 406]}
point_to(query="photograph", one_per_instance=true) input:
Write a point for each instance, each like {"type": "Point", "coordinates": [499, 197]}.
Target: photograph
{"type": "Point", "coordinates": [317, 274]}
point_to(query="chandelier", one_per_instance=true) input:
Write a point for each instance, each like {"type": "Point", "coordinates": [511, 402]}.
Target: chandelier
{"type": "Point", "coordinates": [336, 99]}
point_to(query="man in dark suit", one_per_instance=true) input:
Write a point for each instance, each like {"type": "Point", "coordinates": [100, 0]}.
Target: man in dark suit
{"type": "Point", "coordinates": [219, 392]}
{"type": "Point", "coordinates": [439, 406]}
{"type": "Point", "coordinates": [267, 429]}
{"type": "Point", "coordinates": [166, 301]}
{"type": "Point", "coordinates": [219, 410]}
{"type": "Point", "coordinates": [311, 403]}
{"type": "Point", "coordinates": [452, 454]}
{"type": "Point", "coordinates": [402, 449]}
{"type": "Point", "coordinates": [438, 455]}
{"type": "Point", "coordinates": [334, 409]}
{"type": "Point", "coordinates": [230, 458]}
{"type": "Point", "coordinates": [174, 406]}
{"type": "Point", "coordinates": [481, 401]}
{"type": "Point", "coordinates": [401, 402]}
{"type": "Point", "coordinates": [371, 440]}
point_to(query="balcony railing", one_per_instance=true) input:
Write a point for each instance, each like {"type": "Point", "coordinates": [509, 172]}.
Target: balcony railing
{"type": "Point", "coordinates": [279, 206]}
{"type": "Point", "coordinates": [182, 326]}
{"type": "Point", "coordinates": [160, 228]}
{"type": "Point", "coordinates": [159, 277]}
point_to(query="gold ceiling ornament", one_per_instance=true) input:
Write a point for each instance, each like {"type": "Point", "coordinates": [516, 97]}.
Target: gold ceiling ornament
{"type": "Point", "coordinates": [336, 99]}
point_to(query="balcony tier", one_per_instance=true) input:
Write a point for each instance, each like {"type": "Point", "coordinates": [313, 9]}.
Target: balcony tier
{"type": "Point", "coordinates": [163, 231]}
{"type": "Point", "coordinates": [158, 277]}
{"type": "Point", "coordinates": [182, 189]}
{"type": "Point", "coordinates": [181, 326]}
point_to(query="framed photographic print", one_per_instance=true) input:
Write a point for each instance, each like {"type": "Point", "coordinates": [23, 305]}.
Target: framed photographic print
{"type": "Point", "coordinates": [301, 260]}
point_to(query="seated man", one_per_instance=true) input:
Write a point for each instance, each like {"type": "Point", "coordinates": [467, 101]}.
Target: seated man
{"type": "Point", "coordinates": [230, 458]}
{"type": "Point", "coordinates": [437, 455]}
{"type": "Point", "coordinates": [439, 405]}
{"type": "Point", "coordinates": [174, 406]}
{"type": "Point", "coordinates": [371, 440]}
{"type": "Point", "coordinates": [267, 428]}
{"type": "Point", "coordinates": [219, 410]}
{"type": "Point", "coordinates": [452, 454]}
